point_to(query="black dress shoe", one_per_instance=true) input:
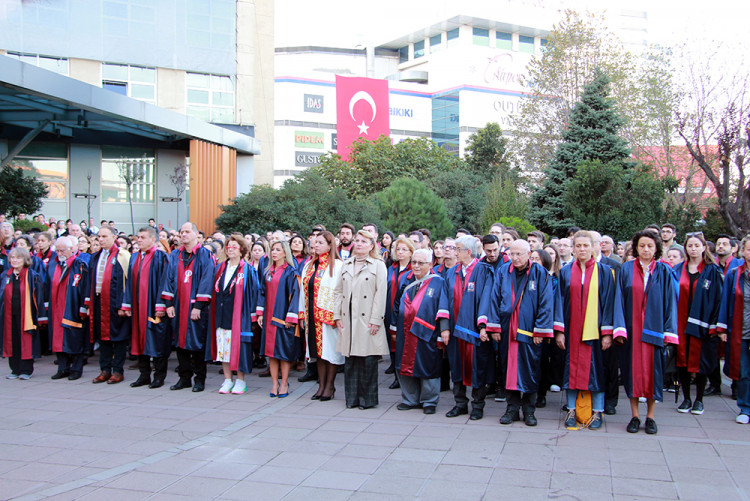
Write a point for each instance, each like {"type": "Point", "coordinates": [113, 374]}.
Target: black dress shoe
{"type": "Point", "coordinates": [365, 407]}
{"type": "Point", "coordinates": [406, 407]}
{"type": "Point", "coordinates": [395, 384]}
{"type": "Point", "coordinates": [712, 390]}
{"type": "Point", "coordinates": [391, 369]}
{"type": "Point", "coordinates": [60, 374]}
{"type": "Point", "coordinates": [457, 411]}
{"type": "Point", "coordinates": [158, 383]}
{"type": "Point", "coordinates": [429, 409]}
{"type": "Point", "coordinates": [509, 417]}
{"type": "Point", "coordinates": [141, 381]}
{"type": "Point", "coordinates": [199, 387]}
{"type": "Point", "coordinates": [476, 414]}
{"type": "Point", "coordinates": [634, 425]}
{"type": "Point", "coordinates": [74, 375]}
{"type": "Point", "coordinates": [315, 397]}
{"type": "Point", "coordinates": [310, 375]}
{"type": "Point", "coordinates": [180, 384]}
{"type": "Point", "coordinates": [265, 373]}
{"type": "Point", "coordinates": [610, 410]}
{"type": "Point", "coordinates": [529, 418]}
{"type": "Point", "coordinates": [650, 426]}
{"type": "Point", "coordinates": [541, 402]}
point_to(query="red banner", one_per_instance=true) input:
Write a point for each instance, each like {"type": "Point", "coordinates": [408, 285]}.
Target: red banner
{"type": "Point", "coordinates": [361, 111]}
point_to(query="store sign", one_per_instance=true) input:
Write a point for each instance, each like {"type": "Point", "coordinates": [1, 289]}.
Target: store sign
{"type": "Point", "coordinates": [306, 159]}
{"type": "Point", "coordinates": [313, 103]}
{"type": "Point", "coordinates": [334, 141]}
{"type": "Point", "coordinates": [308, 139]}
{"type": "Point", "coordinates": [401, 112]}
{"type": "Point", "coordinates": [501, 70]}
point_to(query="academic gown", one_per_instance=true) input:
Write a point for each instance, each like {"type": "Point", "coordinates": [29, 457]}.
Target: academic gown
{"type": "Point", "coordinates": [648, 322]}
{"type": "Point", "coordinates": [698, 319]}
{"type": "Point", "coordinates": [397, 280]}
{"type": "Point", "coordinates": [185, 286]}
{"type": "Point", "coordinates": [150, 335]}
{"type": "Point", "coordinates": [278, 302]}
{"type": "Point", "coordinates": [65, 294]}
{"type": "Point", "coordinates": [731, 264]}
{"type": "Point", "coordinates": [234, 308]}
{"type": "Point", "coordinates": [417, 331]}
{"type": "Point", "coordinates": [46, 257]}
{"type": "Point", "coordinates": [113, 327]}
{"type": "Point", "coordinates": [32, 290]}
{"type": "Point", "coordinates": [584, 363]}
{"type": "Point", "coordinates": [520, 312]}
{"type": "Point", "coordinates": [730, 319]}
{"type": "Point", "coordinates": [472, 361]}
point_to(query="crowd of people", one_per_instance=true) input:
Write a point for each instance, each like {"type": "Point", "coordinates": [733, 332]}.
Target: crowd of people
{"type": "Point", "coordinates": [510, 318]}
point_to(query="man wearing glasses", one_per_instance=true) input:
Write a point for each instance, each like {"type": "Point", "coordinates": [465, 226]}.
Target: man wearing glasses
{"type": "Point", "coordinates": [669, 236]}
{"type": "Point", "coordinates": [471, 355]}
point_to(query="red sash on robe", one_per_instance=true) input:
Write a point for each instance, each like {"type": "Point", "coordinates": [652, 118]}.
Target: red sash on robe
{"type": "Point", "coordinates": [580, 351]}
{"type": "Point", "coordinates": [511, 373]}
{"type": "Point", "coordinates": [27, 325]}
{"type": "Point", "coordinates": [467, 349]}
{"type": "Point", "coordinates": [57, 303]}
{"type": "Point", "coordinates": [392, 290]}
{"type": "Point", "coordinates": [140, 300]}
{"type": "Point", "coordinates": [182, 297]}
{"type": "Point", "coordinates": [104, 298]}
{"type": "Point", "coordinates": [272, 287]}
{"type": "Point", "coordinates": [238, 284]}
{"type": "Point", "coordinates": [411, 341]}
{"type": "Point", "coordinates": [642, 353]}
{"type": "Point", "coordinates": [692, 359]}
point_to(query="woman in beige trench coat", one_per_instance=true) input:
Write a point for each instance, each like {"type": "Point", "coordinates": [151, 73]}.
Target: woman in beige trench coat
{"type": "Point", "coordinates": [359, 310]}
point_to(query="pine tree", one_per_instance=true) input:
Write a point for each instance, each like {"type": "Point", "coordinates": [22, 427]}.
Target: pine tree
{"type": "Point", "coordinates": [591, 134]}
{"type": "Point", "coordinates": [407, 204]}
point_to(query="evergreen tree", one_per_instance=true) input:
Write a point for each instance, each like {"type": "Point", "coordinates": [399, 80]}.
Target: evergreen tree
{"type": "Point", "coordinates": [485, 151]}
{"type": "Point", "coordinates": [18, 193]}
{"type": "Point", "coordinates": [591, 134]}
{"type": "Point", "coordinates": [408, 204]}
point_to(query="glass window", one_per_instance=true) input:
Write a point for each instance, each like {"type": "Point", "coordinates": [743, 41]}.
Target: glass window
{"type": "Point", "coordinates": [445, 122]}
{"type": "Point", "coordinates": [137, 82]}
{"type": "Point", "coordinates": [435, 43]}
{"type": "Point", "coordinates": [51, 63]}
{"type": "Point", "coordinates": [452, 37]}
{"type": "Point", "coordinates": [133, 161]}
{"type": "Point", "coordinates": [481, 37]}
{"type": "Point", "coordinates": [543, 43]}
{"type": "Point", "coordinates": [503, 40]}
{"type": "Point", "coordinates": [403, 54]}
{"type": "Point", "coordinates": [526, 44]}
{"type": "Point", "coordinates": [47, 162]}
{"type": "Point", "coordinates": [210, 97]}
{"type": "Point", "coordinates": [419, 49]}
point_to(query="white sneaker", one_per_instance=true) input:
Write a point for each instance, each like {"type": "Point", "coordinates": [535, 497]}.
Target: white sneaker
{"type": "Point", "coordinates": [24, 377]}
{"type": "Point", "coordinates": [226, 387]}
{"type": "Point", "coordinates": [743, 419]}
{"type": "Point", "coordinates": [11, 376]}
{"type": "Point", "coordinates": [240, 387]}
{"type": "Point", "coordinates": [642, 400]}
{"type": "Point", "coordinates": [554, 388]}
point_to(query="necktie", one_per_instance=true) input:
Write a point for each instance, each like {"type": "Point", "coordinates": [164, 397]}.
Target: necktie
{"type": "Point", "coordinates": [100, 270]}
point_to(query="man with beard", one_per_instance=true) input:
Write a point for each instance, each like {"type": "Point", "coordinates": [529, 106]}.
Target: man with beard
{"type": "Point", "coordinates": [346, 240]}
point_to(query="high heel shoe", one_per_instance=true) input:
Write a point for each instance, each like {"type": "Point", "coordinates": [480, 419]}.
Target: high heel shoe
{"type": "Point", "coordinates": [325, 398]}
{"type": "Point", "coordinates": [315, 397]}
{"type": "Point", "coordinates": [285, 394]}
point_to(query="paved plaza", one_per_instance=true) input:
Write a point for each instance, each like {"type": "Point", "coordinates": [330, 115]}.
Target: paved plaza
{"type": "Point", "coordinates": [76, 440]}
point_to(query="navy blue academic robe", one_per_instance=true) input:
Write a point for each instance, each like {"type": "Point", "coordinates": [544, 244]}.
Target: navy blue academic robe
{"type": "Point", "coordinates": [397, 280]}
{"type": "Point", "coordinates": [185, 287]}
{"type": "Point", "coordinates": [647, 328]}
{"type": "Point", "coordinates": [113, 327]}
{"type": "Point", "coordinates": [472, 361]}
{"type": "Point", "coordinates": [66, 290]}
{"type": "Point", "coordinates": [730, 319]}
{"type": "Point", "coordinates": [414, 321]}
{"type": "Point", "coordinates": [30, 342]}
{"type": "Point", "coordinates": [520, 312]}
{"type": "Point", "coordinates": [150, 335]}
{"type": "Point", "coordinates": [584, 363]}
{"type": "Point", "coordinates": [278, 302]}
{"type": "Point", "coordinates": [700, 353]}
{"type": "Point", "coordinates": [233, 308]}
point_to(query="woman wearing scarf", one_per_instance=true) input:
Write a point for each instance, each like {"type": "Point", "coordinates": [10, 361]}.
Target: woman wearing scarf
{"type": "Point", "coordinates": [358, 313]}
{"type": "Point", "coordinates": [645, 312]}
{"type": "Point", "coordinates": [21, 311]}
{"type": "Point", "coordinates": [584, 306]}
{"type": "Point", "coordinates": [316, 307]}
{"type": "Point", "coordinates": [699, 290]}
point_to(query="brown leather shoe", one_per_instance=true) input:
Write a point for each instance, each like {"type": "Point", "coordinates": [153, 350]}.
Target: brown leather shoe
{"type": "Point", "coordinates": [102, 377]}
{"type": "Point", "coordinates": [116, 378]}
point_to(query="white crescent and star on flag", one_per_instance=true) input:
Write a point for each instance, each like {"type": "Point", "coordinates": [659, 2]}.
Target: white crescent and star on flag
{"type": "Point", "coordinates": [366, 97]}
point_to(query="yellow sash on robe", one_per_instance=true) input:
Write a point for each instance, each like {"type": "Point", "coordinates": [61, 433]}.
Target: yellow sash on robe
{"type": "Point", "coordinates": [591, 319]}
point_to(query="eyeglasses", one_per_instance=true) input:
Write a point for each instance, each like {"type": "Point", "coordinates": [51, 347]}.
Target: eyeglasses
{"type": "Point", "coordinates": [694, 234]}
{"type": "Point", "coordinates": [461, 249]}
{"type": "Point", "coordinates": [449, 247]}
{"type": "Point", "coordinates": [419, 263]}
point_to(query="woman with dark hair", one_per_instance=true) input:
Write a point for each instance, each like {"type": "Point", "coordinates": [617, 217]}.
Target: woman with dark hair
{"type": "Point", "coordinates": [300, 250]}
{"type": "Point", "coordinates": [386, 241]}
{"type": "Point", "coordinates": [256, 257]}
{"type": "Point", "coordinates": [699, 291]}
{"type": "Point", "coordinates": [316, 308]}
{"type": "Point", "coordinates": [438, 253]}
{"type": "Point", "coordinates": [44, 248]}
{"type": "Point", "coordinates": [21, 312]}
{"type": "Point", "coordinates": [278, 306]}
{"type": "Point", "coordinates": [84, 244]}
{"type": "Point", "coordinates": [540, 256]}
{"type": "Point", "coordinates": [554, 255]}
{"type": "Point", "coordinates": [25, 242]}
{"type": "Point", "coordinates": [645, 312]}
{"type": "Point", "coordinates": [233, 307]}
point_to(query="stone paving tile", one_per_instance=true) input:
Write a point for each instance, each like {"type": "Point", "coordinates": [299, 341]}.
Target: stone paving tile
{"type": "Point", "coordinates": [521, 478]}
{"type": "Point", "coordinates": [336, 480]}
{"type": "Point", "coordinates": [229, 471]}
{"type": "Point", "coordinates": [579, 482]}
{"type": "Point", "coordinates": [352, 465]}
{"type": "Point", "coordinates": [12, 487]}
{"type": "Point", "coordinates": [398, 468]}
{"type": "Point", "coordinates": [71, 495]}
{"type": "Point", "coordinates": [142, 481]}
{"type": "Point", "coordinates": [305, 492]}
{"type": "Point", "coordinates": [497, 491]}
{"type": "Point", "coordinates": [406, 487]}
{"type": "Point", "coordinates": [203, 487]}
{"type": "Point", "coordinates": [299, 459]}
{"type": "Point", "coordinates": [640, 471]}
{"type": "Point", "coordinates": [290, 474]}
{"type": "Point", "coordinates": [473, 474]}
{"type": "Point", "coordinates": [640, 487]}
{"type": "Point", "coordinates": [265, 491]}
{"type": "Point", "coordinates": [436, 489]}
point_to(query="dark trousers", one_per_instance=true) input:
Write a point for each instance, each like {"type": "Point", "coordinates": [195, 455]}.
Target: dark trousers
{"type": "Point", "coordinates": [611, 375]}
{"type": "Point", "coordinates": [191, 362]}
{"type": "Point", "coordinates": [69, 362]}
{"type": "Point", "coordinates": [553, 367]}
{"type": "Point", "coordinates": [361, 381]}
{"type": "Point", "coordinates": [160, 367]}
{"type": "Point", "coordinates": [20, 366]}
{"type": "Point", "coordinates": [477, 396]}
{"type": "Point", "coordinates": [515, 401]}
{"type": "Point", "coordinates": [112, 355]}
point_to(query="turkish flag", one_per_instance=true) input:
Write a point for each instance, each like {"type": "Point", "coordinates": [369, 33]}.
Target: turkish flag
{"type": "Point", "coordinates": [361, 111]}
